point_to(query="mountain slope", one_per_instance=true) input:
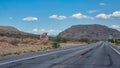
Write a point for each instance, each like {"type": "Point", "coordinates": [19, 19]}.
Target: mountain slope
{"type": "Point", "coordinates": [13, 32]}
{"type": "Point", "coordinates": [94, 31]}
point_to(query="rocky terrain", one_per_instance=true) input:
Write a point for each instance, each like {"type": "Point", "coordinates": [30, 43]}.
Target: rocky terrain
{"type": "Point", "coordinates": [14, 41]}
{"type": "Point", "coordinates": [95, 31]}
{"type": "Point", "coordinates": [13, 32]}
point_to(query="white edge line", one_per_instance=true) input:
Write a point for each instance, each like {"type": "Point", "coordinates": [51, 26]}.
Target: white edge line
{"type": "Point", "coordinates": [32, 57]}
{"type": "Point", "coordinates": [115, 50]}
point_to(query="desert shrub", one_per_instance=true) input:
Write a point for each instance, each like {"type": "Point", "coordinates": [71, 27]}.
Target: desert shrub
{"type": "Point", "coordinates": [31, 51]}
{"type": "Point", "coordinates": [24, 51]}
{"type": "Point", "coordinates": [17, 53]}
{"type": "Point", "coordinates": [93, 41]}
{"type": "Point", "coordinates": [5, 54]}
{"type": "Point", "coordinates": [59, 39]}
{"type": "Point", "coordinates": [84, 40]}
{"type": "Point", "coordinates": [3, 40]}
{"type": "Point", "coordinates": [15, 42]}
{"type": "Point", "coordinates": [55, 45]}
{"type": "Point", "coordinates": [111, 40]}
{"type": "Point", "coordinates": [115, 41]}
{"type": "Point", "coordinates": [44, 43]}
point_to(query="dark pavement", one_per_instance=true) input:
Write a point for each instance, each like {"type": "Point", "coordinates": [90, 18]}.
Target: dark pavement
{"type": "Point", "coordinates": [99, 55]}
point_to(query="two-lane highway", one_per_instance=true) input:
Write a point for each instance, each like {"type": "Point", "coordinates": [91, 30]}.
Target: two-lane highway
{"type": "Point", "coordinates": [99, 55]}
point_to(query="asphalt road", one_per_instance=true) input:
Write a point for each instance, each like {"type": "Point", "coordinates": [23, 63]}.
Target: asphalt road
{"type": "Point", "coordinates": [99, 55]}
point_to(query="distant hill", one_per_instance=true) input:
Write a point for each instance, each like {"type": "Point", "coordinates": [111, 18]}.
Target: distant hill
{"type": "Point", "coordinates": [14, 32]}
{"type": "Point", "coordinates": [94, 31]}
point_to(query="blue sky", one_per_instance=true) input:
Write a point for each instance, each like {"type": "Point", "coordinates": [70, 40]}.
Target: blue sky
{"type": "Point", "coordinates": [54, 16]}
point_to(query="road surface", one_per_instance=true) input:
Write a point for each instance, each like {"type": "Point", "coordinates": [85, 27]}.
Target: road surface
{"type": "Point", "coordinates": [99, 55]}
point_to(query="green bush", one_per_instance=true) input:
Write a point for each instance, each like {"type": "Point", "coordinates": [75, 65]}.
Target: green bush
{"type": "Point", "coordinates": [84, 40]}
{"type": "Point", "coordinates": [55, 45]}
{"type": "Point", "coordinates": [111, 40]}
{"type": "Point", "coordinates": [59, 39]}
{"type": "Point", "coordinates": [93, 41]}
{"type": "Point", "coordinates": [115, 41]}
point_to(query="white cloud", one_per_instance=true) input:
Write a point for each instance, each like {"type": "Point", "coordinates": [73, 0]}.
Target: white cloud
{"type": "Point", "coordinates": [78, 16]}
{"type": "Point", "coordinates": [53, 32]}
{"type": "Point", "coordinates": [103, 16]}
{"type": "Point", "coordinates": [102, 4]}
{"type": "Point", "coordinates": [81, 16]}
{"type": "Point", "coordinates": [115, 26]}
{"type": "Point", "coordinates": [50, 31]}
{"type": "Point", "coordinates": [92, 11]}
{"type": "Point", "coordinates": [30, 19]}
{"type": "Point", "coordinates": [35, 30]}
{"type": "Point", "coordinates": [57, 17]}
{"type": "Point", "coordinates": [115, 14]}
{"type": "Point", "coordinates": [53, 16]}
{"type": "Point", "coordinates": [42, 30]}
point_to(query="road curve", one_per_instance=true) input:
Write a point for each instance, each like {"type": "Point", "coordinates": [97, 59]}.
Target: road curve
{"type": "Point", "coordinates": [99, 55]}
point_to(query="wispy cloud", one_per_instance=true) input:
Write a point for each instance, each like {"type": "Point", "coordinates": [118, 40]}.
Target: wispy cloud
{"type": "Point", "coordinates": [102, 4]}
{"type": "Point", "coordinates": [58, 17]}
{"type": "Point", "coordinates": [49, 31]}
{"type": "Point", "coordinates": [10, 18]}
{"type": "Point", "coordinates": [42, 30]}
{"type": "Point", "coordinates": [93, 11]}
{"type": "Point", "coordinates": [35, 29]}
{"type": "Point", "coordinates": [115, 26]}
{"type": "Point", "coordinates": [30, 19]}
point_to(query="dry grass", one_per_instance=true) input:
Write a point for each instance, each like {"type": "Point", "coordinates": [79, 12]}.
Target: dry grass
{"type": "Point", "coordinates": [69, 44]}
{"type": "Point", "coordinates": [9, 46]}
{"type": "Point", "coordinates": [16, 46]}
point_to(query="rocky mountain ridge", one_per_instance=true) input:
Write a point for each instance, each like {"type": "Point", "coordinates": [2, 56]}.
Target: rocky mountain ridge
{"type": "Point", "coordinates": [14, 32]}
{"type": "Point", "coordinates": [94, 31]}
